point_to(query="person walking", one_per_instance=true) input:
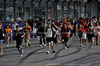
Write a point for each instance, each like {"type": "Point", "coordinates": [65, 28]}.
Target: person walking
{"type": "Point", "coordinates": [27, 29]}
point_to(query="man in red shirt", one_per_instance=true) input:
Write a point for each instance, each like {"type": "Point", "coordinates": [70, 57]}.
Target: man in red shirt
{"type": "Point", "coordinates": [65, 34]}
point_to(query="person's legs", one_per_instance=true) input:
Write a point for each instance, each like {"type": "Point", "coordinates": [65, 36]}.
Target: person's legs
{"type": "Point", "coordinates": [43, 36]}
{"type": "Point", "coordinates": [92, 42]}
{"type": "Point", "coordinates": [53, 49]}
{"type": "Point", "coordinates": [97, 39]}
{"type": "Point", "coordinates": [49, 44]}
{"type": "Point", "coordinates": [41, 40]}
{"type": "Point", "coordinates": [81, 41]}
{"type": "Point", "coordinates": [27, 43]}
{"type": "Point", "coordinates": [7, 41]}
{"type": "Point", "coordinates": [0, 49]}
{"type": "Point", "coordinates": [65, 40]}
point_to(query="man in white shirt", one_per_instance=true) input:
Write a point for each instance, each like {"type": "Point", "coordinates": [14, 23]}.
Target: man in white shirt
{"type": "Point", "coordinates": [49, 36]}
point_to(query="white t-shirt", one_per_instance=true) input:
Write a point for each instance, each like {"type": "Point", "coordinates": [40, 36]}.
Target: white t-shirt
{"type": "Point", "coordinates": [14, 26]}
{"type": "Point", "coordinates": [49, 33]}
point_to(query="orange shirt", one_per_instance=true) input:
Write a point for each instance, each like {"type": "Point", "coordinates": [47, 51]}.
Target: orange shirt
{"type": "Point", "coordinates": [7, 30]}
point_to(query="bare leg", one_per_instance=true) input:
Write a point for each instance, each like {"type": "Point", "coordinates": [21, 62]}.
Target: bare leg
{"type": "Point", "coordinates": [0, 49]}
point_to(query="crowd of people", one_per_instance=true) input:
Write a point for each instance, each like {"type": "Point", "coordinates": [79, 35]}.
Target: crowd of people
{"type": "Point", "coordinates": [51, 32]}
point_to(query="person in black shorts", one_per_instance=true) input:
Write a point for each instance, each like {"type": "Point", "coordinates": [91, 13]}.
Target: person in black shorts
{"type": "Point", "coordinates": [49, 36]}
{"type": "Point", "coordinates": [19, 34]}
{"type": "Point", "coordinates": [56, 28]}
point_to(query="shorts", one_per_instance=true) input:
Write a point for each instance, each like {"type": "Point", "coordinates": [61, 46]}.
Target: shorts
{"type": "Point", "coordinates": [80, 35]}
{"type": "Point", "coordinates": [90, 35]}
{"type": "Point", "coordinates": [1, 42]}
{"type": "Point", "coordinates": [49, 39]}
{"type": "Point", "coordinates": [18, 42]}
{"type": "Point", "coordinates": [84, 36]}
{"type": "Point", "coordinates": [65, 40]}
{"type": "Point", "coordinates": [54, 40]}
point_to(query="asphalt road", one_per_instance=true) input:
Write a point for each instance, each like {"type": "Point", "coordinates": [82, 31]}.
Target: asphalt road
{"type": "Point", "coordinates": [36, 56]}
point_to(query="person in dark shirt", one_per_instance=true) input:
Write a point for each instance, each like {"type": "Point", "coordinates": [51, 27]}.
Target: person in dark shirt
{"type": "Point", "coordinates": [75, 27]}
{"type": "Point", "coordinates": [1, 39]}
{"type": "Point", "coordinates": [42, 34]}
{"type": "Point", "coordinates": [19, 34]}
{"type": "Point", "coordinates": [38, 24]}
{"type": "Point", "coordinates": [58, 24]}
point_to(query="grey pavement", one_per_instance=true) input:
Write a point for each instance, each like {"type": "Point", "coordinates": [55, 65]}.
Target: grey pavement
{"type": "Point", "coordinates": [36, 56]}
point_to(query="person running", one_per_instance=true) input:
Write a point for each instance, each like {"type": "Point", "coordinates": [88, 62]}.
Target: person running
{"type": "Point", "coordinates": [1, 39]}
{"type": "Point", "coordinates": [7, 35]}
{"type": "Point", "coordinates": [65, 33]}
{"type": "Point", "coordinates": [49, 35]}
{"type": "Point", "coordinates": [84, 34]}
{"type": "Point", "coordinates": [14, 28]}
{"type": "Point", "coordinates": [19, 34]}
{"type": "Point", "coordinates": [80, 33]}
{"type": "Point", "coordinates": [97, 28]}
{"type": "Point", "coordinates": [55, 38]}
{"type": "Point", "coordinates": [91, 34]}
{"type": "Point", "coordinates": [27, 29]}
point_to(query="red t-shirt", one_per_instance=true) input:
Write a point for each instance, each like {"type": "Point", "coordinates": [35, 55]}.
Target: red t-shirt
{"type": "Point", "coordinates": [64, 32]}
{"type": "Point", "coordinates": [81, 29]}
{"type": "Point", "coordinates": [85, 28]}
{"type": "Point", "coordinates": [82, 22]}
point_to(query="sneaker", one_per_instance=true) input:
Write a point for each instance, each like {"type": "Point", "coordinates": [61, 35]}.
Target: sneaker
{"type": "Point", "coordinates": [45, 45]}
{"type": "Point", "coordinates": [65, 47]}
{"type": "Point", "coordinates": [38, 39]}
{"type": "Point", "coordinates": [14, 41]}
{"type": "Point", "coordinates": [91, 46]}
{"type": "Point", "coordinates": [47, 52]}
{"type": "Point", "coordinates": [81, 45]}
{"type": "Point", "coordinates": [2, 52]}
{"type": "Point", "coordinates": [22, 51]}
{"type": "Point", "coordinates": [21, 55]}
{"type": "Point", "coordinates": [7, 46]}
{"type": "Point", "coordinates": [40, 45]}
{"type": "Point", "coordinates": [58, 41]}
{"type": "Point", "coordinates": [53, 51]}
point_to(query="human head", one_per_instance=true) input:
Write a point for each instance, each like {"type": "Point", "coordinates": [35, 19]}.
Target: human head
{"type": "Point", "coordinates": [30, 17]}
{"type": "Point", "coordinates": [49, 24]}
{"type": "Point", "coordinates": [15, 21]}
{"type": "Point", "coordinates": [7, 25]}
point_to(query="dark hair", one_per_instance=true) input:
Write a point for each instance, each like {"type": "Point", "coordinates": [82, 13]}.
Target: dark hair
{"type": "Point", "coordinates": [15, 21]}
